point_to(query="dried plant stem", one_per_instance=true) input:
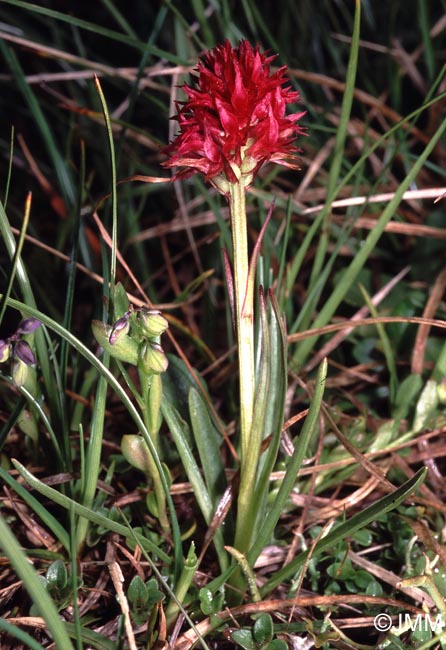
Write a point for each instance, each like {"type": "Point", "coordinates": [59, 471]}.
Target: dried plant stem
{"type": "Point", "coordinates": [244, 314]}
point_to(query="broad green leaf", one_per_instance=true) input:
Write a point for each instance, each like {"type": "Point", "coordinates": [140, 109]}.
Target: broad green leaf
{"type": "Point", "coordinates": [208, 446]}
{"type": "Point", "coordinates": [263, 629]}
{"type": "Point", "coordinates": [426, 406]}
{"type": "Point", "coordinates": [243, 638]}
{"type": "Point", "coordinates": [56, 575]}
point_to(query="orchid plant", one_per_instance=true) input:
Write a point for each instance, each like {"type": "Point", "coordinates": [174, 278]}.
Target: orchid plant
{"type": "Point", "coordinates": [233, 122]}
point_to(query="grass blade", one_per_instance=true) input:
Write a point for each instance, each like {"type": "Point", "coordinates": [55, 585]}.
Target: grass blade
{"type": "Point", "coordinates": [96, 29]}
{"type": "Point", "coordinates": [352, 271]}
{"type": "Point", "coordinates": [82, 511]}
{"type": "Point", "coordinates": [34, 587]}
{"type": "Point", "coordinates": [59, 166]}
{"type": "Point", "coordinates": [347, 528]}
{"type": "Point", "coordinates": [115, 385]}
{"type": "Point", "coordinates": [294, 465]}
{"type": "Point", "coordinates": [16, 633]}
{"type": "Point", "coordinates": [42, 513]}
{"type": "Point", "coordinates": [341, 135]}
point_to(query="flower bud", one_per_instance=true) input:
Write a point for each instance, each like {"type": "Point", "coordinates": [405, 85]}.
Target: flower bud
{"type": "Point", "coordinates": [5, 350]}
{"type": "Point", "coordinates": [152, 358]}
{"type": "Point", "coordinates": [124, 348]}
{"type": "Point", "coordinates": [441, 391]}
{"type": "Point", "coordinates": [153, 324]}
{"type": "Point", "coordinates": [22, 351]}
{"type": "Point", "coordinates": [120, 328]}
{"type": "Point", "coordinates": [19, 372]}
{"type": "Point", "coordinates": [135, 451]}
{"type": "Point", "coordinates": [28, 326]}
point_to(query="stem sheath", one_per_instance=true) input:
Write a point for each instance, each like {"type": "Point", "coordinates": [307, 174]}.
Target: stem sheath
{"type": "Point", "coordinates": [244, 313]}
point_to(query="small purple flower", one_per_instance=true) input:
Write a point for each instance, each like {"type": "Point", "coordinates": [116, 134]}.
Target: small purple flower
{"type": "Point", "coordinates": [28, 326]}
{"type": "Point", "coordinates": [23, 352]}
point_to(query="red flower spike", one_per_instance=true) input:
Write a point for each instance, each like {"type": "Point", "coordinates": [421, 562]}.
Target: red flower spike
{"type": "Point", "coordinates": [235, 118]}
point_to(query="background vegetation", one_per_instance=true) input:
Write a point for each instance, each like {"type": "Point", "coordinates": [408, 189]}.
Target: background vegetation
{"type": "Point", "coordinates": [343, 244]}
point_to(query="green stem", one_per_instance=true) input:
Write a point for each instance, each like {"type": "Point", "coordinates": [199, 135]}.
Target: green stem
{"type": "Point", "coordinates": [249, 495]}
{"type": "Point", "coordinates": [182, 586]}
{"type": "Point", "coordinates": [247, 572]}
{"type": "Point", "coordinates": [151, 421]}
{"type": "Point", "coordinates": [244, 314]}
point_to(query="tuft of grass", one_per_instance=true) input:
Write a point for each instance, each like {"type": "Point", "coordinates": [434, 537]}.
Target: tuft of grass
{"type": "Point", "coordinates": [349, 511]}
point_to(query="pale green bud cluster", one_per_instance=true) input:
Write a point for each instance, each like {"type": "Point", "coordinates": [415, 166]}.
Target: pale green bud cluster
{"type": "Point", "coordinates": [134, 338]}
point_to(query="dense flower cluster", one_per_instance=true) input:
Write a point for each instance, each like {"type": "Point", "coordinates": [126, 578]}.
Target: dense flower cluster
{"type": "Point", "coordinates": [235, 118]}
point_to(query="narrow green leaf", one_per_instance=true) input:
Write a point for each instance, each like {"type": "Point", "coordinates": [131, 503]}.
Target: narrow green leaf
{"type": "Point", "coordinates": [38, 509]}
{"type": "Point", "coordinates": [203, 20]}
{"type": "Point", "coordinates": [111, 147]}
{"type": "Point", "coordinates": [341, 135]}
{"type": "Point", "coordinates": [120, 19]}
{"type": "Point", "coordinates": [93, 457]}
{"type": "Point", "coordinates": [276, 397]}
{"type": "Point", "coordinates": [180, 434]}
{"type": "Point", "coordinates": [183, 584]}
{"type": "Point", "coordinates": [351, 272]}
{"type": "Point", "coordinates": [247, 515]}
{"type": "Point", "coordinates": [60, 168]}
{"type": "Point", "coordinates": [387, 346]}
{"type": "Point", "coordinates": [16, 258]}
{"type": "Point", "coordinates": [90, 638]}
{"type": "Point", "coordinates": [426, 406]}
{"type": "Point", "coordinates": [348, 528]}
{"type": "Point", "coordinates": [16, 633]}
{"type": "Point", "coordinates": [294, 465]}
{"type": "Point", "coordinates": [82, 511]}
{"type": "Point", "coordinates": [407, 392]}
{"type": "Point", "coordinates": [34, 587]}
{"type": "Point", "coordinates": [96, 29]}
